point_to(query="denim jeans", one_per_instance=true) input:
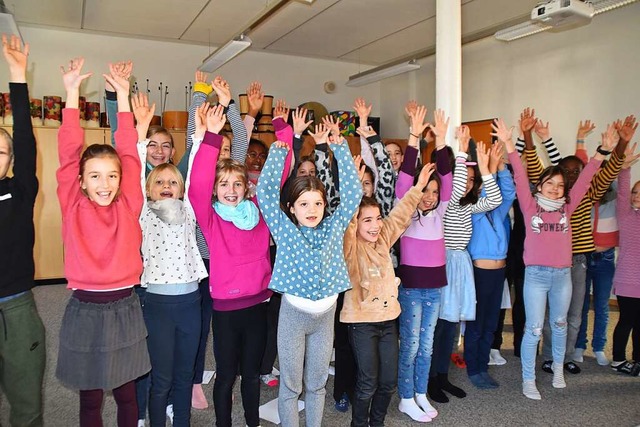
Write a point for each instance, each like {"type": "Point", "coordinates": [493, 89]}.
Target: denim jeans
{"type": "Point", "coordinates": [375, 347]}
{"type": "Point", "coordinates": [600, 270]}
{"type": "Point", "coordinates": [420, 309]}
{"type": "Point", "coordinates": [542, 283]}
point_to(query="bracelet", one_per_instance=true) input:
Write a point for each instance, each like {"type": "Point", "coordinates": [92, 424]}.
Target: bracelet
{"type": "Point", "coordinates": [415, 136]}
{"type": "Point", "coordinates": [602, 151]}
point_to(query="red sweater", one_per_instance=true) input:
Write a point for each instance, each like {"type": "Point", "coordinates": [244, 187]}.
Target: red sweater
{"type": "Point", "coordinates": [102, 243]}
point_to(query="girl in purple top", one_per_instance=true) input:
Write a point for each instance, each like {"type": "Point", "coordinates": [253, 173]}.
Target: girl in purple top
{"type": "Point", "coordinates": [625, 281]}
{"type": "Point", "coordinates": [547, 252]}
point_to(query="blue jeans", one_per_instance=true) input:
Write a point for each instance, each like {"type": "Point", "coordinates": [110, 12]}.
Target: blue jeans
{"type": "Point", "coordinates": [420, 308]}
{"type": "Point", "coordinates": [542, 283]}
{"type": "Point", "coordinates": [173, 323]}
{"type": "Point", "coordinates": [600, 270]}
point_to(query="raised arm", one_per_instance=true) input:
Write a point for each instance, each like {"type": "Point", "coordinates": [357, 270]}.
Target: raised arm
{"type": "Point", "coordinates": [603, 178]}
{"type": "Point", "coordinates": [268, 191]}
{"type": "Point", "coordinates": [493, 198]}
{"type": "Point", "coordinates": [351, 192]}
{"type": "Point", "coordinates": [323, 166]}
{"type": "Point", "coordinates": [623, 203]}
{"type": "Point", "coordinates": [111, 97]}
{"type": "Point", "coordinates": [24, 142]}
{"type": "Point", "coordinates": [504, 179]}
{"type": "Point", "coordinates": [584, 129]}
{"type": "Point", "coordinates": [240, 142]}
{"type": "Point", "coordinates": [385, 182]}
{"type": "Point", "coordinates": [201, 91]}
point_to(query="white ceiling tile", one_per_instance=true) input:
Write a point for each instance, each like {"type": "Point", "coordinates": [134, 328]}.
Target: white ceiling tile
{"type": "Point", "coordinates": [155, 18]}
{"type": "Point", "coordinates": [58, 13]}
{"type": "Point", "coordinates": [222, 19]}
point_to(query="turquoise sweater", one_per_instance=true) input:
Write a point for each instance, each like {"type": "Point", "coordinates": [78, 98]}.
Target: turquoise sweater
{"type": "Point", "coordinates": [309, 261]}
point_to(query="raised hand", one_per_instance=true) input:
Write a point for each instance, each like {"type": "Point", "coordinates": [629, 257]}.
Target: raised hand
{"type": "Point", "coordinates": [463, 135]}
{"type": "Point", "coordinates": [334, 127]}
{"type": "Point", "coordinates": [222, 89]}
{"type": "Point", "coordinates": [122, 68]}
{"type": "Point", "coordinates": [542, 130]}
{"type": "Point", "coordinates": [201, 119]}
{"type": "Point", "coordinates": [362, 110]}
{"type": "Point", "coordinates": [425, 173]}
{"type": "Point", "coordinates": [410, 107]}
{"type": "Point", "coordinates": [281, 110]}
{"type": "Point", "coordinates": [280, 144]}
{"type": "Point", "coordinates": [255, 96]}
{"type": "Point", "coordinates": [610, 138]}
{"type": "Point", "coordinates": [201, 77]}
{"type": "Point", "coordinates": [416, 119]}
{"type": "Point", "coordinates": [143, 112]}
{"type": "Point", "coordinates": [71, 77]}
{"type": "Point", "coordinates": [16, 57]}
{"type": "Point", "coordinates": [321, 134]}
{"type": "Point", "coordinates": [496, 157]}
{"type": "Point", "coordinates": [483, 158]}
{"type": "Point", "coordinates": [503, 133]}
{"type": "Point", "coordinates": [439, 129]}
{"type": "Point", "coordinates": [631, 158]}
{"type": "Point", "coordinates": [627, 129]}
{"type": "Point", "coordinates": [118, 78]}
{"type": "Point", "coordinates": [527, 120]}
{"type": "Point", "coordinates": [216, 119]}
{"type": "Point", "coordinates": [585, 129]}
{"type": "Point", "coordinates": [299, 117]}
{"type": "Point", "coordinates": [360, 166]}
{"type": "Point", "coordinates": [365, 131]}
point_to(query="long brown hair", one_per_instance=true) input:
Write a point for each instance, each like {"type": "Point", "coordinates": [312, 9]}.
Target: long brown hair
{"type": "Point", "coordinates": [300, 185]}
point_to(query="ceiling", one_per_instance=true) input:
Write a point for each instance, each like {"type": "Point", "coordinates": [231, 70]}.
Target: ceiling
{"type": "Point", "coordinates": [362, 31]}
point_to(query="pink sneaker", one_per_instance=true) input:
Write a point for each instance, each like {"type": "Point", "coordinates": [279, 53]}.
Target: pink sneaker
{"type": "Point", "coordinates": [198, 399]}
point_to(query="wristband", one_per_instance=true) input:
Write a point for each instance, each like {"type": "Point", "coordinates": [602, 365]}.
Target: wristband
{"type": "Point", "coordinates": [415, 136]}
{"type": "Point", "coordinates": [602, 151]}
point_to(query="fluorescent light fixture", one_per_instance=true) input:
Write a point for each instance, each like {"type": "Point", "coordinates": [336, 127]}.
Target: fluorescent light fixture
{"type": "Point", "coordinates": [519, 31]}
{"type": "Point", "coordinates": [8, 23]}
{"type": "Point", "coordinates": [382, 72]}
{"type": "Point", "coordinates": [601, 6]}
{"type": "Point", "coordinates": [224, 54]}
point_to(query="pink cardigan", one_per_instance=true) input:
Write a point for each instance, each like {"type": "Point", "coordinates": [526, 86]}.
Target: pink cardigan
{"type": "Point", "coordinates": [625, 281]}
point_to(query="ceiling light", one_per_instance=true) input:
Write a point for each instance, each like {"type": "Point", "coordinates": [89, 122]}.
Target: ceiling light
{"type": "Point", "coordinates": [601, 6]}
{"type": "Point", "coordinates": [382, 72]}
{"type": "Point", "coordinates": [8, 22]}
{"type": "Point", "coordinates": [521, 30]}
{"type": "Point", "coordinates": [224, 54]}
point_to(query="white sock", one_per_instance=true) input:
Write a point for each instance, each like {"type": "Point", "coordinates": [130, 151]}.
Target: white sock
{"type": "Point", "coordinates": [578, 355]}
{"type": "Point", "coordinates": [530, 390]}
{"type": "Point", "coordinates": [558, 375]}
{"type": "Point", "coordinates": [409, 407]}
{"type": "Point", "coordinates": [425, 405]}
{"type": "Point", "coordinates": [601, 358]}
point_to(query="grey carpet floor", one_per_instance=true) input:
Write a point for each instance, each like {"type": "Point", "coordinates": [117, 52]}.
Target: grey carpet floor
{"type": "Point", "coordinates": [596, 397]}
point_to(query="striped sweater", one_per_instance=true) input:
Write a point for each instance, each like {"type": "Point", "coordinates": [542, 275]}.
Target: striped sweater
{"type": "Point", "coordinates": [457, 218]}
{"type": "Point", "coordinates": [581, 226]}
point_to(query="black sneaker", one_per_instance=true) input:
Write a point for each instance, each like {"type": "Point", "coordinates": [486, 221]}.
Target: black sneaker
{"type": "Point", "coordinates": [572, 368]}
{"type": "Point", "coordinates": [546, 366]}
{"type": "Point", "coordinates": [628, 368]}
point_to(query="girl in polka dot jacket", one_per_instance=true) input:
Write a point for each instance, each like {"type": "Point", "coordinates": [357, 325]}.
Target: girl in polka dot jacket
{"type": "Point", "coordinates": [238, 241]}
{"type": "Point", "coordinates": [310, 271]}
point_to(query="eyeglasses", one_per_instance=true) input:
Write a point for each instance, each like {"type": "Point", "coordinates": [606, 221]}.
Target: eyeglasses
{"type": "Point", "coordinates": [253, 156]}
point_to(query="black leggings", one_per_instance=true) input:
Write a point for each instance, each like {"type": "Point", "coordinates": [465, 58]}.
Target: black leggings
{"type": "Point", "coordinates": [629, 319]}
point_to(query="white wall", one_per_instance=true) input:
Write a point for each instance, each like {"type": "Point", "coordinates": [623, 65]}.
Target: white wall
{"type": "Point", "coordinates": [586, 73]}
{"type": "Point", "coordinates": [295, 79]}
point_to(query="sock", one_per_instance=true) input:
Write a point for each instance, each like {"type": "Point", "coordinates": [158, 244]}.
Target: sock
{"type": "Point", "coordinates": [435, 392]}
{"type": "Point", "coordinates": [489, 379]}
{"type": "Point", "coordinates": [530, 390]}
{"type": "Point", "coordinates": [450, 388]}
{"type": "Point", "coordinates": [558, 376]}
{"type": "Point", "coordinates": [409, 407]}
{"type": "Point", "coordinates": [423, 403]}
{"type": "Point", "coordinates": [479, 382]}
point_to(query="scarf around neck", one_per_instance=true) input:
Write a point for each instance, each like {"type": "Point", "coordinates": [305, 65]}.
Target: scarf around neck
{"type": "Point", "coordinates": [170, 211]}
{"type": "Point", "coordinates": [549, 205]}
{"type": "Point", "coordinates": [245, 216]}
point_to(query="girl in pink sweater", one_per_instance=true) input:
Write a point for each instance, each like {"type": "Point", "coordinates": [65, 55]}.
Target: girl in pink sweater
{"type": "Point", "coordinates": [102, 337]}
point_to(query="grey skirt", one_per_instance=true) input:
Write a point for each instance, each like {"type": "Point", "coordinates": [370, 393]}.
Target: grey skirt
{"type": "Point", "coordinates": [102, 346]}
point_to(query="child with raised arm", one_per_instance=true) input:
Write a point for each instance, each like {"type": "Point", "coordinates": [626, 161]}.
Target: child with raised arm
{"type": "Point", "coordinates": [23, 351]}
{"type": "Point", "coordinates": [547, 253]}
{"type": "Point", "coordinates": [102, 337]}
{"type": "Point", "coordinates": [238, 240]}
{"type": "Point", "coordinates": [371, 308]}
{"type": "Point", "coordinates": [310, 271]}
{"type": "Point", "coordinates": [625, 280]}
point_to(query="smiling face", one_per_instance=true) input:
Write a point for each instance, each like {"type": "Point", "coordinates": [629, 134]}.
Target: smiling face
{"type": "Point", "coordinates": [552, 187]}
{"type": "Point", "coordinates": [635, 195]}
{"type": "Point", "coordinates": [100, 179]}
{"type": "Point", "coordinates": [160, 149]}
{"type": "Point", "coordinates": [165, 183]}
{"type": "Point", "coordinates": [306, 168]}
{"type": "Point", "coordinates": [572, 168]}
{"type": "Point", "coordinates": [430, 196]}
{"type": "Point", "coordinates": [256, 156]}
{"type": "Point", "coordinates": [308, 209]}
{"type": "Point", "coordinates": [395, 155]}
{"type": "Point", "coordinates": [369, 223]}
{"type": "Point", "coordinates": [6, 156]}
{"type": "Point", "coordinates": [230, 188]}
{"type": "Point", "coordinates": [367, 184]}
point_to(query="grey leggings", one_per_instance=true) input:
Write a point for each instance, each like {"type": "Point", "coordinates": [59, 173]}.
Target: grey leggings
{"type": "Point", "coordinates": [305, 341]}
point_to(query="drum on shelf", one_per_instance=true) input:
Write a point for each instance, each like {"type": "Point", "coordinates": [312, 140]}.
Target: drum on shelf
{"type": "Point", "coordinates": [244, 103]}
{"type": "Point", "coordinates": [267, 105]}
{"type": "Point", "coordinates": [52, 106]}
{"type": "Point", "coordinates": [265, 123]}
{"type": "Point", "coordinates": [175, 120]}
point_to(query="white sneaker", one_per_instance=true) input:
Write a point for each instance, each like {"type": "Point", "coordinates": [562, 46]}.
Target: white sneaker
{"type": "Point", "coordinates": [170, 413]}
{"type": "Point", "coordinates": [558, 376]}
{"type": "Point", "coordinates": [530, 390]}
{"type": "Point", "coordinates": [578, 355]}
{"type": "Point", "coordinates": [141, 423]}
{"type": "Point", "coordinates": [496, 358]}
{"type": "Point", "coordinates": [601, 358]}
